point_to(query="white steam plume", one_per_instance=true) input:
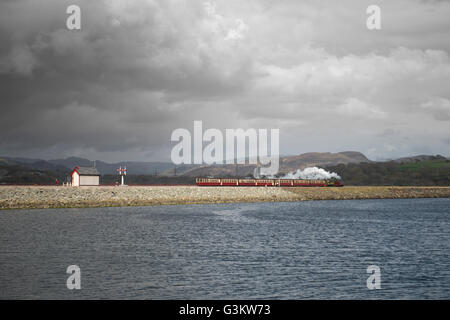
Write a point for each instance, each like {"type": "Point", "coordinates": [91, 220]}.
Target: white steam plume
{"type": "Point", "coordinates": [312, 173]}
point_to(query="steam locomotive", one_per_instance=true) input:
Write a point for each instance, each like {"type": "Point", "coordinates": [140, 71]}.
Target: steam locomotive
{"type": "Point", "coordinates": [216, 182]}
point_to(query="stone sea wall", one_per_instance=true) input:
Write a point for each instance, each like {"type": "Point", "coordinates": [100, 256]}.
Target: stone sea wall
{"type": "Point", "coordinates": [19, 197]}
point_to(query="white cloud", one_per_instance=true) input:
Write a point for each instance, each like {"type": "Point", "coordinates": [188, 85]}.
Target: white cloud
{"type": "Point", "coordinates": [237, 32]}
{"type": "Point", "coordinates": [360, 109]}
{"type": "Point", "coordinates": [438, 107]}
{"type": "Point", "coordinates": [21, 60]}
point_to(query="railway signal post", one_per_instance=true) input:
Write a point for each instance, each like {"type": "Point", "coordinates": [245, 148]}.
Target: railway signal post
{"type": "Point", "coordinates": [122, 174]}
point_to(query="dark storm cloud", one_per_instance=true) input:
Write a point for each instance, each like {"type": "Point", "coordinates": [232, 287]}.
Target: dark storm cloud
{"type": "Point", "coordinates": [139, 69]}
{"type": "Point", "coordinates": [115, 84]}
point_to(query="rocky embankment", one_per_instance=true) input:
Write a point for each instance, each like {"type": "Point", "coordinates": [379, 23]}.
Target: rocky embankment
{"type": "Point", "coordinates": [18, 197]}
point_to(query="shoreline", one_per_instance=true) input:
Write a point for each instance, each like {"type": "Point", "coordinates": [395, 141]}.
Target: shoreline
{"type": "Point", "coordinates": [43, 197]}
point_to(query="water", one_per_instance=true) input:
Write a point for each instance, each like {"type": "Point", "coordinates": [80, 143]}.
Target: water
{"type": "Point", "coordinates": [298, 250]}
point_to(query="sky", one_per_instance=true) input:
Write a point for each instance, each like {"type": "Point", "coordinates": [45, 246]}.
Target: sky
{"type": "Point", "coordinates": [137, 70]}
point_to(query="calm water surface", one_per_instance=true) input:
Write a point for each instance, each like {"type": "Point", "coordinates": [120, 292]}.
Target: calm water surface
{"type": "Point", "coordinates": [298, 250]}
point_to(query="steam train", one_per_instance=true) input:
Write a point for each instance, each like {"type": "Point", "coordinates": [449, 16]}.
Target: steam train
{"type": "Point", "coordinates": [267, 182]}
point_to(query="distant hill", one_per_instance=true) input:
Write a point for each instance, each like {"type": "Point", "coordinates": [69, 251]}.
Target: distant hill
{"type": "Point", "coordinates": [240, 170]}
{"type": "Point", "coordinates": [353, 167]}
{"type": "Point", "coordinates": [434, 171]}
{"type": "Point", "coordinates": [134, 167]}
{"type": "Point", "coordinates": [418, 158]}
{"type": "Point", "coordinates": [14, 173]}
{"type": "Point", "coordinates": [320, 159]}
{"type": "Point", "coordinates": [287, 164]}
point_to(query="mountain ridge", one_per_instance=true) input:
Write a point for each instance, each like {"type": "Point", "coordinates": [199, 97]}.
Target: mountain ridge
{"type": "Point", "coordinates": [416, 170]}
{"type": "Point", "coordinates": [287, 164]}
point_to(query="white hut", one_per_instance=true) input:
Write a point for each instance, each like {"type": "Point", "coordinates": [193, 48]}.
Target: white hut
{"type": "Point", "coordinates": [85, 176]}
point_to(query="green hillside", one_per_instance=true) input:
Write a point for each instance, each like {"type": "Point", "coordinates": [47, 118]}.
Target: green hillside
{"type": "Point", "coordinates": [432, 164]}
{"type": "Point", "coordinates": [11, 173]}
{"type": "Point", "coordinates": [420, 173]}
